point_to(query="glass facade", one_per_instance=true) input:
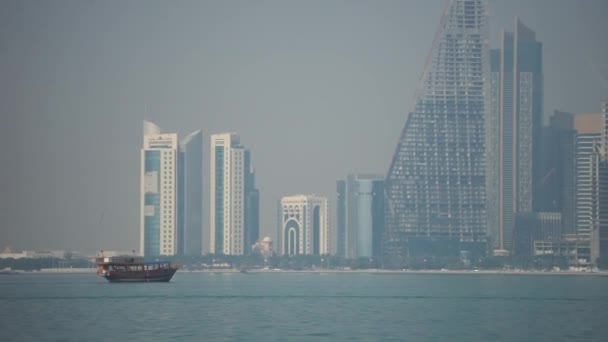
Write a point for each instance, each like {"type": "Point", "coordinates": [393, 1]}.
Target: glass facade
{"type": "Point", "coordinates": [316, 230]}
{"type": "Point", "coordinates": [190, 196]}
{"type": "Point", "coordinates": [219, 200]}
{"type": "Point", "coordinates": [341, 214]}
{"type": "Point", "coordinates": [513, 133]}
{"type": "Point", "coordinates": [252, 205]}
{"type": "Point", "coordinates": [365, 221]}
{"type": "Point", "coordinates": [360, 216]}
{"type": "Point", "coordinates": [152, 200]}
{"type": "Point", "coordinates": [435, 186]}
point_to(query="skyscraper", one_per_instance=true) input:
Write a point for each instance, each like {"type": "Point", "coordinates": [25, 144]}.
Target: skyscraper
{"type": "Point", "coordinates": [158, 194]}
{"type": "Point", "coordinates": [230, 172]}
{"type": "Point", "coordinates": [190, 195]}
{"type": "Point", "coordinates": [252, 205]}
{"type": "Point", "coordinates": [588, 140]}
{"type": "Point", "coordinates": [304, 225]}
{"type": "Point", "coordinates": [558, 182]}
{"type": "Point", "coordinates": [572, 157]}
{"type": "Point", "coordinates": [516, 116]}
{"type": "Point", "coordinates": [360, 216]}
{"type": "Point", "coordinates": [600, 227]}
{"type": "Point", "coordinates": [435, 186]}
{"type": "Point", "coordinates": [605, 130]}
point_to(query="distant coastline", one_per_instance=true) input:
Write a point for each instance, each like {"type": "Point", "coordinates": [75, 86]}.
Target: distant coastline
{"type": "Point", "coordinates": [383, 271]}
{"type": "Point", "coordinates": [327, 271]}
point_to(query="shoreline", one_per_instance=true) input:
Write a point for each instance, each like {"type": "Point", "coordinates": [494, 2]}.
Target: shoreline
{"type": "Point", "coordinates": [326, 271]}
{"type": "Point", "coordinates": [401, 272]}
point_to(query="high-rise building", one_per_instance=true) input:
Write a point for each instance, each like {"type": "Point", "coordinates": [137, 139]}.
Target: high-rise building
{"type": "Point", "coordinates": [360, 216]}
{"type": "Point", "coordinates": [435, 185]}
{"type": "Point", "coordinates": [573, 166]}
{"type": "Point", "coordinates": [304, 227]}
{"type": "Point", "coordinates": [158, 194]}
{"type": "Point", "coordinates": [252, 206]}
{"type": "Point", "coordinates": [588, 139]}
{"type": "Point", "coordinates": [171, 193]}
{"type": "Point", "coordinates": [601, 227]}
{"type": "Point", "coordinates": [605, 130]}
{"type": "Point", "coordinates": [231, 188]}
{"type": "Point", "coordinates": [190, 195]}
{"type": "Point", "coordinates": [514, 129]}
{"type": "Point", "coordinates": [557, 185]}
{"type": "Point", "coordinates": [341, 234]}
{"type": "Point", "coordinates": [586, 164]}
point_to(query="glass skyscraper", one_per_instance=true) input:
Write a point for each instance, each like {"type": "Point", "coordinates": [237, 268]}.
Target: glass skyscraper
{"type": "Point", "coordinates": [513, 135]}
{"type": "Point", "coordinates": [435, 186]}
{"type": "Point", "coordinates": [360, 216]}
{"type": "Point", "coordinates": [190, 195]}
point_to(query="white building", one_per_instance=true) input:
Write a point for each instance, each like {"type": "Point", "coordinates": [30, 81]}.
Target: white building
{"type": "Point", "coordinates": [586, 144]}
{"type": "Point", "coordinates": [304, 225]}
{"type": "Point", "coordinates": [158, 211]}
{"type": "Point", "coordinates": [227, 195]}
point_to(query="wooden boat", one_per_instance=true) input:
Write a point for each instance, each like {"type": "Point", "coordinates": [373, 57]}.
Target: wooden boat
{"type": "Point", "coordinates": [134, 269]}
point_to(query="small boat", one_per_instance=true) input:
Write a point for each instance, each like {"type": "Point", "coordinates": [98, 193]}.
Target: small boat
{"type": "Point", "coordinates": [134, 269]}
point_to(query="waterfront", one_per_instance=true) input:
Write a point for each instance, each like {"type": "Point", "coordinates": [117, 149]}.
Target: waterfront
{"type": "Point", "coordinates": [304, 306]}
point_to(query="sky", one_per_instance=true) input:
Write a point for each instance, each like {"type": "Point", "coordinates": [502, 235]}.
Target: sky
{"type": "Point", "coordinates": [316, 90]}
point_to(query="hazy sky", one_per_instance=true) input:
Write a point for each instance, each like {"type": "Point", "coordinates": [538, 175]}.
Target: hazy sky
{"type": "Point", "coordinates": [316, 89]}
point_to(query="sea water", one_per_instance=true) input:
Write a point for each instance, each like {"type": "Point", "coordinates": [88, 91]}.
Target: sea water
{"type": "Point", "coordinates": [286, 306]}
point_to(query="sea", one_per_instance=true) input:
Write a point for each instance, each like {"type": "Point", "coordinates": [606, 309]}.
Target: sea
{"type": "Point", "coordinates": [285, 306]}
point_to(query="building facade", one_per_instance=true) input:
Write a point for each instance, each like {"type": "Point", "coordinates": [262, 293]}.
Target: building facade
{"type": "Point", "coordinates": [435, 185]}
{"type": "Point", "coordinates": [514, 130]}
{"type": "Point", "coordinates": [360, 216]}
{"type": "Point", "coordinates": [171, 193]}
{"type": "Point", "coordinates": [575, 174]}
{"type": "Point", "coordinates": [532, 227]}
{"type": "Point", "coordinates": [252, 206]}
{"type": "Point", "coordinates": [605, 130]}
{"type": "Point", "coordinates": [190, 195]}
{"type": "Point", "coordinates": [158, 194]}
{"type": "Point", "coordinates": [602, 225]}
{"type": "Point", "coordinates": [231, 189]}
{"type": "Point", "coordinates": [586, 181]}
{"type": "Point", "coordinates": [304, 225]}
{"type": "Point", "coordinates": [558, 182]}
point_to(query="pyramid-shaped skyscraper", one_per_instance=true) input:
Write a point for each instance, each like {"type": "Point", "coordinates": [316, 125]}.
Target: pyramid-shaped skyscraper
{"type": "Point", "coordinates": [435, 186]}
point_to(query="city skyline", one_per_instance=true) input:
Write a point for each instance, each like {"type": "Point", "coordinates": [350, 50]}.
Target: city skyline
{"type": "Point", "coordinates": [82, 104]}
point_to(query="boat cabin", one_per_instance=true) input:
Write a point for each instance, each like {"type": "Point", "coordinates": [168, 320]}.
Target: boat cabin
{"type": "Point", "coordinates": [128, 264]}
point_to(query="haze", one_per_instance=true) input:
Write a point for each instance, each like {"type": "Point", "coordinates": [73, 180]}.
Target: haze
{"type": "Point", "coordinates": [316, 89]}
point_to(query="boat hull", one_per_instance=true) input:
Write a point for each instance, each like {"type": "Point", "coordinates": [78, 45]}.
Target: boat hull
{"type": "Point", "coordinates": [164, 275]}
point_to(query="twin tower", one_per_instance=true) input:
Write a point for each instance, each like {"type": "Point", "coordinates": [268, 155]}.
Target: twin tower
{"type": "Point", "coordinates": [172, 204]}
